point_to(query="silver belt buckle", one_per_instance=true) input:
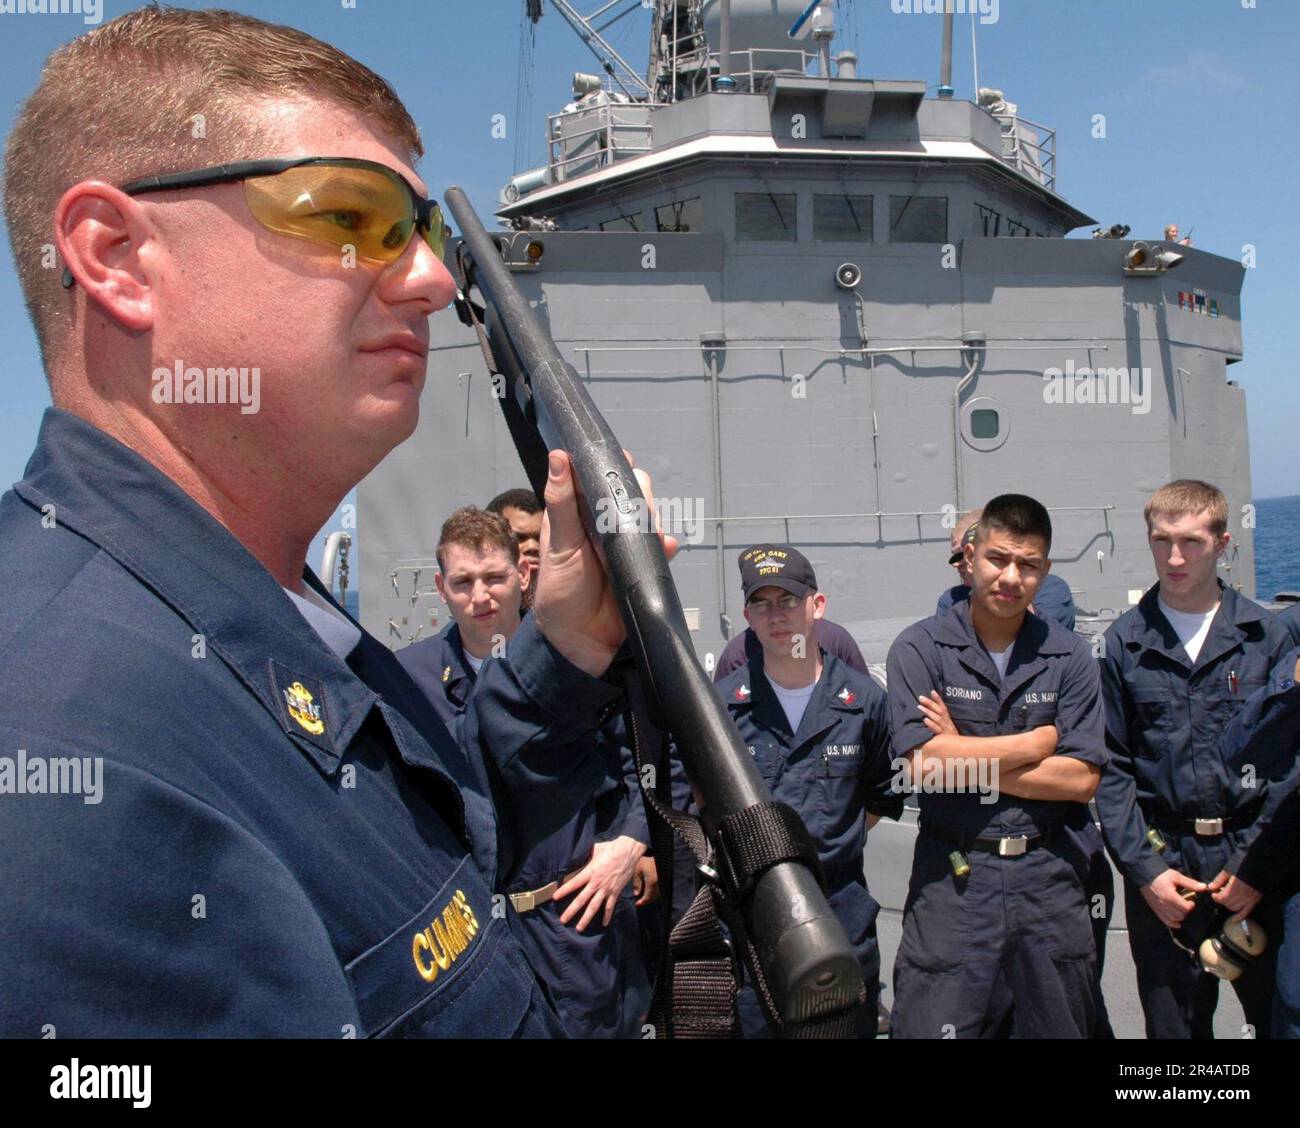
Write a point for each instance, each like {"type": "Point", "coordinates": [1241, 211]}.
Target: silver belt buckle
{"type": "Point", "coordinates": [1209, 827]}
{"type": "Point", "coordinates": [1013, 847]}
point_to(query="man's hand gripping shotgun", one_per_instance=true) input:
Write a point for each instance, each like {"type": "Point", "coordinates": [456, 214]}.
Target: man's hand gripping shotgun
{"type": "Point", "coordinates": [760, 860]}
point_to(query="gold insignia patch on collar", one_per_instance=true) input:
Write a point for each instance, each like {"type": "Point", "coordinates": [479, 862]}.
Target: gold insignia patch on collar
{"type": "Point", "coordinates": [446, 674]}
{"type": "Point", "coordinates": [303, 708]}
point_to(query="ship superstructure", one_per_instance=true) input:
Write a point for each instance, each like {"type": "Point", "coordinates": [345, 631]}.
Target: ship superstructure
{"type": "Point", "coordinates": [834, 311]}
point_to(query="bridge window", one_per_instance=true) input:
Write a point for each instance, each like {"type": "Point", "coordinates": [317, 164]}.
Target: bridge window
{"type": "Point", "coordinates": [631, 222]}
{"type": "Point", "coordinates": [1015, 227]}
{"type": "Point", "coordinates": [991, 221]}
{"type": "Point", "coordinates": [842, 219]}
{"type": "Point", "coordinates": [770, 216]}
{"type": "Point", "coordinates": [918, 219]}
{"type": "Point", "coordinates": [680, 215]}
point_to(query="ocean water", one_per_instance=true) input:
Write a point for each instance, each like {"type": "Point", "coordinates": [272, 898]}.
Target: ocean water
{"type": "Point", "coordinates": [1277, 545]}
{"type": "Point", "coordinates": [1277, 549]}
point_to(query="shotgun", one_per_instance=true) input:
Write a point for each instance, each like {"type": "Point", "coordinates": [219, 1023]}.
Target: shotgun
{"type": "Point", "coordinates": [801, 947]}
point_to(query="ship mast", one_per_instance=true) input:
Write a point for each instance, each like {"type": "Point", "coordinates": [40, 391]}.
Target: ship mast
{"type": "Point", "coordinates": [589, 28]}
{"type": "Point", "coordinates": [679, 52]}
{"type": "Point", "coordinates": [681, 64]}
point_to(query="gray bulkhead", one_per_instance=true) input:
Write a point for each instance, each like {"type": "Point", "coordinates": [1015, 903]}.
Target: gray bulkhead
{"type": "Point", "coordinates": [834, 419]}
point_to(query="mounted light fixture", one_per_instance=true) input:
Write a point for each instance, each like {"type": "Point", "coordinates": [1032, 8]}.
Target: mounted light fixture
{"type": "Point", "coordinates": [1145, 259]}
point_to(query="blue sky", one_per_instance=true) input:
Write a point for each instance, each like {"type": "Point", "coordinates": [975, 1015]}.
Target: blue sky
{"type": "Point", "coordinates": [1201, 130]}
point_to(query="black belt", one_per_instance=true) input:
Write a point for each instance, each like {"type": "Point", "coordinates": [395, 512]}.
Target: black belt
{"type": "Point", "coordinates": [1004, 846]}
{"type": "Point", "coordinates": [1209, 827]}
{"type": "Point", "coordinates": [1202, 826]}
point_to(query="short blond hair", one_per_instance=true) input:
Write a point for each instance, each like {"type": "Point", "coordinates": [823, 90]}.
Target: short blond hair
{"type": "Point", "coordinates": [126, 100]}
{"type": "Point", "coordinates": [1187, 497]}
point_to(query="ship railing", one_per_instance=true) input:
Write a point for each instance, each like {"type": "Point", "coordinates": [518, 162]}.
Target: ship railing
{"type": "Point", "coordinates": [760, 64]}
{"type": "Point", "coordinates": [690, 58]}
{"type": "Point", "coordinates": [1030, 147]}
{"type": "Point", "coordinates": [917, 515]}
{"type": "Point", "coordinates": [617, 131]}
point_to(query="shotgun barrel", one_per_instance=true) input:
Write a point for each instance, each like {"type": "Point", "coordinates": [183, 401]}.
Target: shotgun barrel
{"type": "Point", "coordinates": [804, 952]}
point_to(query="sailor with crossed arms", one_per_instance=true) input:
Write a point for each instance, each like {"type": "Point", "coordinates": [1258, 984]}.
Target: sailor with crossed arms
{"type": "Point", "coordinates": [997, 939]}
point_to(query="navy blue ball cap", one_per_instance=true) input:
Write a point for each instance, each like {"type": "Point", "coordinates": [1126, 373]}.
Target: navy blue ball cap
{"type": "Point", "coordinates": [776, 565]}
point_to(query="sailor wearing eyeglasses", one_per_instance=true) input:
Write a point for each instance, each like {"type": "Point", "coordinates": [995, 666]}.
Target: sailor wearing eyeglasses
{"type": "Point", "coordinates": [279, 839]}
{"type": "Point", "coordinates": [819, 734]}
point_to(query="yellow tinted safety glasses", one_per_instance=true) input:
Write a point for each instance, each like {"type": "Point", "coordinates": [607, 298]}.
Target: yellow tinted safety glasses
{"type": "Point", "coordinates": [335, 202]}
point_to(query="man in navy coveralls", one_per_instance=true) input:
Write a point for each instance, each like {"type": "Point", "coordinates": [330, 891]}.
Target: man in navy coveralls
{"type": "Point", "coordinates": [819, 734]}
{"type": "Point", "coordinates": [578, 920]}
{"type": "Point", "coordinates": [1176, 671]}
{"type": "Point", "coordinates": [239, 816]}
{"type": "Point", "coordinates": [1054, 603]}
{"type": "Point", "coordinates": [1265, 738]}
{"type": "Point", "coordinates": [997, 939]}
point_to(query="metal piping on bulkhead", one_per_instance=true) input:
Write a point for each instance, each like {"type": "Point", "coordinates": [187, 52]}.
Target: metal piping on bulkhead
{"type": "Point", "coordinates": [712, 345]}
{"type": "Point", "coordinates": [945, 63]}
{"type": "Point", "coordinates": [725, 81]}
{"type": "Point", "coordinates": [971, 365]}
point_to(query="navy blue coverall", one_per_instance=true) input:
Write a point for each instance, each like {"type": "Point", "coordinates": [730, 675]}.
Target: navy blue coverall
{"type": "Point", "coordinates": [834, 771]}
{"type": "Point", "coordinates": [283, 842]}
{"type": "Point", "coordinates": [1165, 720]}
{"type": "Point", "coordinates": [439, 667]}
{"type": "Point", "coordinates": [1007, 949]}
{"type": "Point", "coordinates": [1054, 603]}
{"type": "Point", "coordinates": [595, 978]}
{"type": "Point", "coordinates": [1290, 619]}
{"type": "Point", "coordinates": [1264, 737]}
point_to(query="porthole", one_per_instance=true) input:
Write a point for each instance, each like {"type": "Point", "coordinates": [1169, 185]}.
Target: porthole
{"type": "Point", "coordinates": [985, 423]}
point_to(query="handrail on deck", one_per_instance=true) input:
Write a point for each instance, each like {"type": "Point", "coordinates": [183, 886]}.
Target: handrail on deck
{"type": "Point", "coordinates": [1035, 158]}
{"type": "Point", "coordinates": [605, 152]}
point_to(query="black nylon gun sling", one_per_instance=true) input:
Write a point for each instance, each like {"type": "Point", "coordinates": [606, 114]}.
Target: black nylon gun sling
{"type": "Point", "coordinates": [759, 867]}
